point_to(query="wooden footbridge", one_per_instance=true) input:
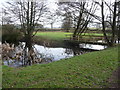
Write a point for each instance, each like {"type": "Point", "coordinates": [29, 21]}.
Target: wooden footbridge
{"type": "Point", "coordinates": [89, 39]}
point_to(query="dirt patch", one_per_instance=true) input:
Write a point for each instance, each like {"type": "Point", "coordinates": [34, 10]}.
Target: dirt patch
{"type": "Point", "coordinates": [114, 80]}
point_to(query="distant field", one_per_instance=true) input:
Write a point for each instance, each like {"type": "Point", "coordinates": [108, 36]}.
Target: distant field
{"type": "Point", "coordinates": [62, 35]}
{"type": "Point", "coordinates": [53, 35]}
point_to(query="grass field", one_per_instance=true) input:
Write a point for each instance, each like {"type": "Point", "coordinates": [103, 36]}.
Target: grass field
{"type": "Point", "coordinates": [84, 71]}
{"type": "Point", "coordinates": [62, 35]}
{"type": "Point", "coordinates": [52, 35]}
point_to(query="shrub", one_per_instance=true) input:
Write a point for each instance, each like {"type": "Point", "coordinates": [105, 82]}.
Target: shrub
{"type": "Point", "coordinates": [10, 33]}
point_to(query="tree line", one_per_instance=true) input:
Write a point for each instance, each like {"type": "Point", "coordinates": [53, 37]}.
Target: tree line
{"type": "Point", "coordinates": [81, 14]}
{"type": "Point", "coordinates": [77, 15]}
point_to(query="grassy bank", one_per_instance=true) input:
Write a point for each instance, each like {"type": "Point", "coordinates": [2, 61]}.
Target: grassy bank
{"type": "Point", "coordinates": [85, 71]}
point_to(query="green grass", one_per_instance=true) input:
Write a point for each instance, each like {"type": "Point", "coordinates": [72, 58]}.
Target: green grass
{"type": "Point", "coordinates": [92, 34]}
{"type": "Point", "coordinates": [85, 71]}
{"type": "Point", "coordinates": [61, 35]}
{"type": "Point", "coordinates": [52, 35]}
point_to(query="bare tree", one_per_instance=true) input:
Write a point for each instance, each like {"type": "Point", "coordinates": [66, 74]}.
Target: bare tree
{"type": "Point", "coordinates": [118, 21]}
{"type": "Point", "coordinates": [80, 15]}
{"type": "Point", "coordinates": [67, 23]}
{"type": "Point", "coordinates": [5, 17]}
{"type": "Point", "coordinates": [29, 14]}
{"type": "Point", "coordinates": [51, 18]}
{"type": "Point", "coordinates": [111, 19]}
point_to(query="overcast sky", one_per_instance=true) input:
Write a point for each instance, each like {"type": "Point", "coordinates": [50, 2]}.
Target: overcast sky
{"type": "Point", "coordinates": [52, 6]}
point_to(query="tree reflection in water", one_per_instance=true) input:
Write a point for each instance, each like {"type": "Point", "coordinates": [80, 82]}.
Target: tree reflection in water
{"type": "Point", "coordinates": [76, 51]}
{"type": "Point", "coordinates": [18, 55]}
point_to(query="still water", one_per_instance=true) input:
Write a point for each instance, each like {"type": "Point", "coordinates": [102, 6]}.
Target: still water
{"type": "Point", "coordinates": [50, 54]}
{"type": "Point", "coordinates": [93, 47]}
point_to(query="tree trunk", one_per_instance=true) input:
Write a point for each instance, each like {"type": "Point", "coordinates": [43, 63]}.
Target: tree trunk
{"type": "Point", "coordinates": [78, 25]}
{"type": "Point", "coordinates": [28, 45]}
{"type": "Point", "coordinates": [28, 42]}
{"type": "Point", "coordinates": [103, 25]}
{"type": "Point", "coordinates": [79, 20]}
{"type": "Point", "coordinates": [51, 25]}
{"type": "Point", "coordinates": [118, 22]}
{"type": "Point", "coordinates": [114, 24]}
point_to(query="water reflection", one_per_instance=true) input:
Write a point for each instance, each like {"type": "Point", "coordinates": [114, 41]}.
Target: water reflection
{"type": "Point", "coordinates": [91, 46]}
{"type": "Point", "coordinates": [56, 53]}
{"type": "Point", "coordinates": [17, 55]}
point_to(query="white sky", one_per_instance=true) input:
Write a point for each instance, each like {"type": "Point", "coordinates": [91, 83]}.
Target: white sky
{"type": "Point", "coordinates": [53, 6]}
